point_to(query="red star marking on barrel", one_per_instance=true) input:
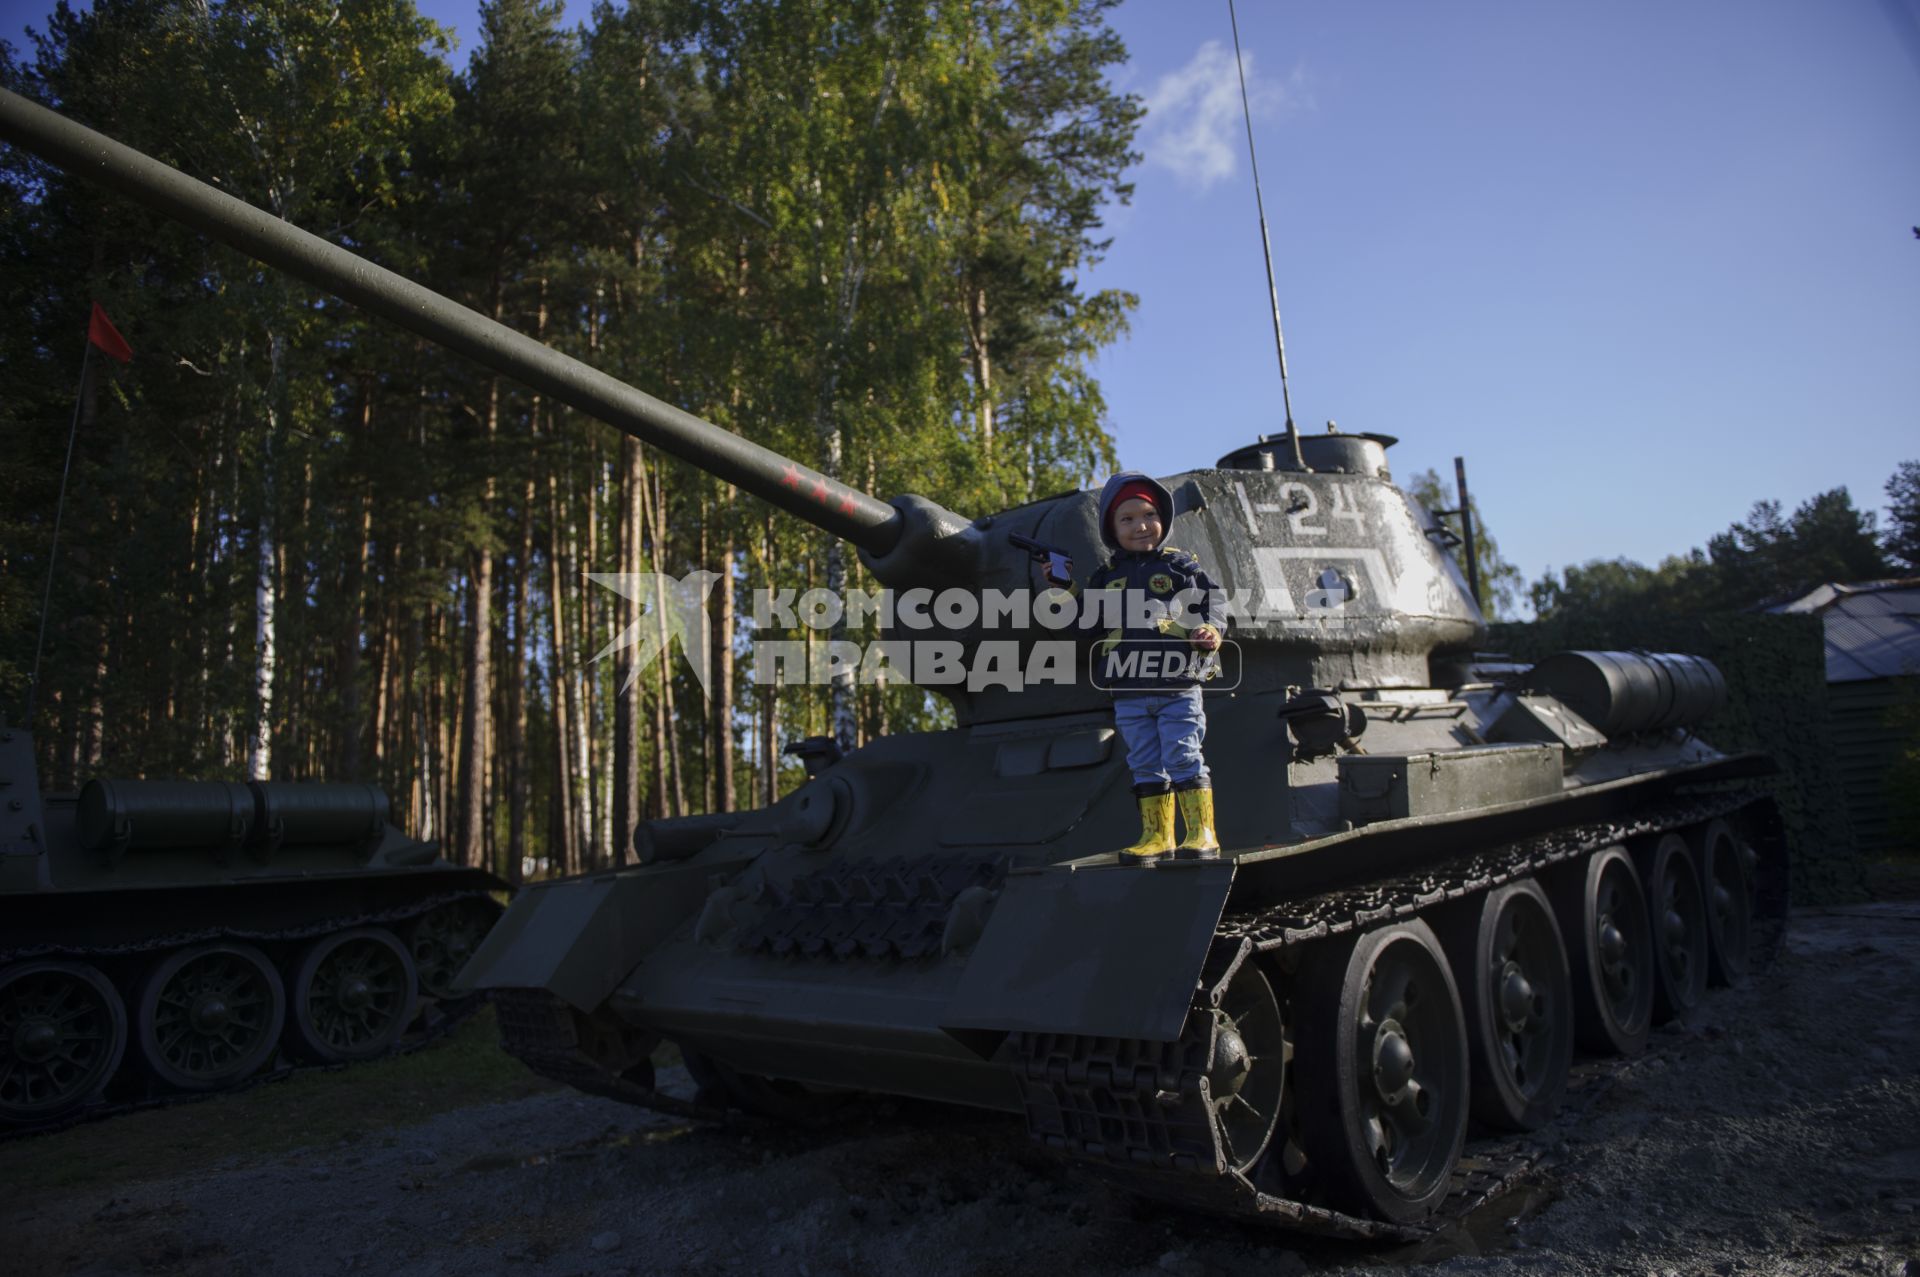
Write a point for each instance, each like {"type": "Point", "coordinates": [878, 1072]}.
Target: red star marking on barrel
{"type": "Point", "coordinates": [846, 504]}
{"type": "Point", "coordinates": [792, 477]}
{"type": "Point", "coordinates": [821, 492]}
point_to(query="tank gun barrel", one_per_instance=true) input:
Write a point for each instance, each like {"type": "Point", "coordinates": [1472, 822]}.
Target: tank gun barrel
{"type": "Point", "coordinates": [872, 525]}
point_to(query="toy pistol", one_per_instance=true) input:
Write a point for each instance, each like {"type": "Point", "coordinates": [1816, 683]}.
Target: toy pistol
{"type": "Point", "coordinates": [1058, 564]}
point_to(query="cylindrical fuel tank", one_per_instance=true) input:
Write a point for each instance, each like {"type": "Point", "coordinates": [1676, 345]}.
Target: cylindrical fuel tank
{"type": "Point", "coordinates": [1621, 693]}
{"type": "Point", "coordinates": [141, 815]}
{"type": "Point", "coordinates": [304, 814]}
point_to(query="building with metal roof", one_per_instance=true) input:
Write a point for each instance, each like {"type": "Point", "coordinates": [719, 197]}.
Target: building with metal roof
{"type": "Point", "coordinates": [1873, 665]}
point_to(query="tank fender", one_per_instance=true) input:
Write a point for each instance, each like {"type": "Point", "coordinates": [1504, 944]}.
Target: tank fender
{"type": "Point", "coordinates": [577, 938]}
{"type": "Point", "coordinates": [1108, 951]}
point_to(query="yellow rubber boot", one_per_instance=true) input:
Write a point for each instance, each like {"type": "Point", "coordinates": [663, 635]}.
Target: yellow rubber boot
{"type": "Point", "coordinates": [1156, 831]}
{"type": "Point", "coordinates": [1196, 813]}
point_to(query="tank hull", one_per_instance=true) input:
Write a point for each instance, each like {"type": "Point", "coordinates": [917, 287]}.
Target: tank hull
{"type": "Point", "coordinates": [826, 1010]}
{"type": "Point", "coordinates": [1050, 1024]}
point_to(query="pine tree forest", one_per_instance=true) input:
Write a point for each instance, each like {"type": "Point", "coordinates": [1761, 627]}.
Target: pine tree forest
{"type": "Point", "coordinates": [298, 544]}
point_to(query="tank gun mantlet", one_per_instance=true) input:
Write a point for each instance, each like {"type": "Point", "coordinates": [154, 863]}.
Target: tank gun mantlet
{"type": "Point", "coordinates": [935, 548]}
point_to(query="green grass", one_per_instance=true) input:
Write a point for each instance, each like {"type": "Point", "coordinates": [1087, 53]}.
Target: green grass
{"type": "Point", "coordinates": [316, 1109]}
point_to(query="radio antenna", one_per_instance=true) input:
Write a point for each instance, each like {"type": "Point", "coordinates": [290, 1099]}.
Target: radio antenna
{"type": "Point", "coordinates": [1266, 244]}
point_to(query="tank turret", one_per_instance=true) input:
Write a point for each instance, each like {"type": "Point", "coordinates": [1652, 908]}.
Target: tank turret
{"type": "Point", "coordinates": [1437, 876]}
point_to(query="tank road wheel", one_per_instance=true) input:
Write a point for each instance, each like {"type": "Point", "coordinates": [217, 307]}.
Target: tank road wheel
{"type": "Point", "coordinates": [353, 995]}
{"type": "Point", "coordinates": [1726, 875]}
{"type": "Point", "coordinates": [1246, 1072]}
{"type": "Point", "coordinates": [208, 1016]}
{"type": "Point", "coordinates": [443, 938]}
{"type": "Point", "coordinates": [1383, 1072]}
{"type": "Point", "coordinates": [1601, 906]}
{"type": "Point", "coordinates": [63, 1029]}
{"type": "Point", "coordinates": [1678, 922]}
{"type": "Point", "coordinates": [1518, 1000]}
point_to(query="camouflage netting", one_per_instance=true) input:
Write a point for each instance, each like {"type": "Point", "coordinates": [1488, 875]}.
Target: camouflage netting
{"type": "Point", "coordinates": [1777, 702]}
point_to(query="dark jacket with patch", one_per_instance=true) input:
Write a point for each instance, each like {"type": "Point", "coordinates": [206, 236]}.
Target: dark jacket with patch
{"type": "Point", "coordinates": [1160, 655]}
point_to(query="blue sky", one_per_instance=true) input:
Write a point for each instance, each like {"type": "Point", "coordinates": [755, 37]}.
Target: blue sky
{"type": "Point", "coordinates": [1640, 263]}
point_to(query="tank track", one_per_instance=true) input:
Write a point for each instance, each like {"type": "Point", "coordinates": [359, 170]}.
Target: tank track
{"type": "Point", "coordinates": [1348, 909]}
{"type": "Point", "coordinates": [1098, 1100]}
{"type": "Point", "coordinates": [434, 1021]}
{"type": "Point", "coordinates": [888, 909]}
{"type": "Point", "coordinates": [597, 1055]}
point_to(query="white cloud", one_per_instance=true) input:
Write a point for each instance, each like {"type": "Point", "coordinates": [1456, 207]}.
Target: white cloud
{"type": "Point", "coordinates": [1193, 123]}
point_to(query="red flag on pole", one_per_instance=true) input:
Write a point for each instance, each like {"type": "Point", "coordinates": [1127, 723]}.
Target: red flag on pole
{"type": "Point", "coordinates": [102, 333]}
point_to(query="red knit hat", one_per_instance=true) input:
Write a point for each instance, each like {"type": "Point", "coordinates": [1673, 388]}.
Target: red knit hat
{"type": "Point", "coordinates": [1137, 489]}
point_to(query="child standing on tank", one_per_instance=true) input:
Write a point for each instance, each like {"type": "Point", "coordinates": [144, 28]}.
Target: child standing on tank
{"type": "Point", "coordinates": [1147, 662]}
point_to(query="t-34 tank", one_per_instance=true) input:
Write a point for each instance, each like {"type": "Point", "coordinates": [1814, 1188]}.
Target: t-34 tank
{"type": "Point", "coordinates": [166, 937]}
{"type": "Point", "coordinates": [1438, 876]}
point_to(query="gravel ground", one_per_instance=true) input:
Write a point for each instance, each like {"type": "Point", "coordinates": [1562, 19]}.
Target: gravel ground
{"type": "Point", "coordinates": [1779, 1133]}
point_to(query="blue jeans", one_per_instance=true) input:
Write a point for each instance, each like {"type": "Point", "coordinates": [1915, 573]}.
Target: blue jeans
{"type": "Point", "coordinates": [1163, 731]}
